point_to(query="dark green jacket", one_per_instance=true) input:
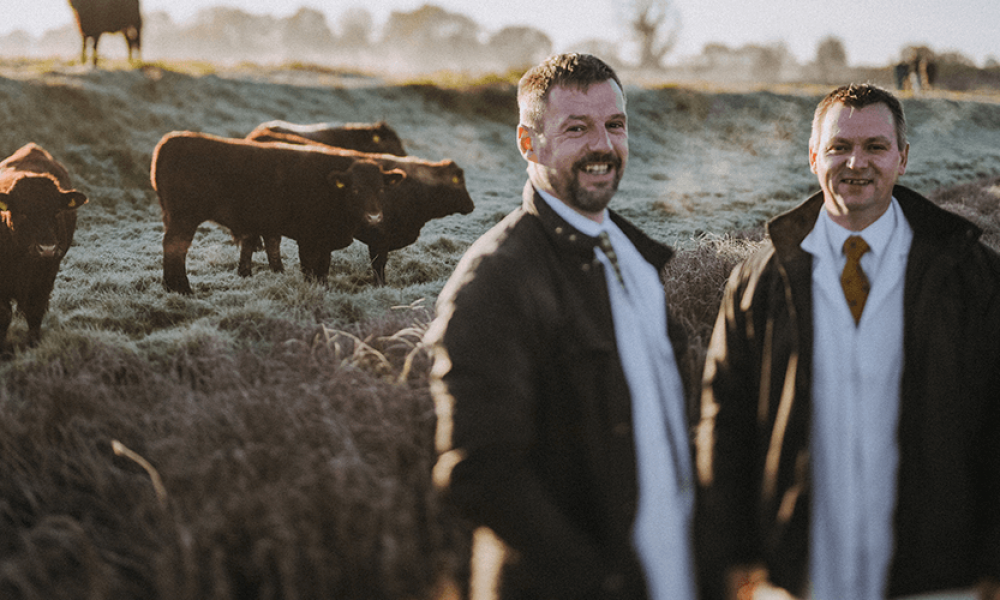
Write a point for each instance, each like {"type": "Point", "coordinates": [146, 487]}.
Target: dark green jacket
{"type": "Point", "coordinates": [753, 441]}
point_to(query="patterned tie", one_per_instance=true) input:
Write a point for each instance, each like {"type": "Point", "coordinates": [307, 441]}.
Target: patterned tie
{"type": "Point", "coordinates": [853, 279]}
{"type": "Point", "coordinates": [604, 242]}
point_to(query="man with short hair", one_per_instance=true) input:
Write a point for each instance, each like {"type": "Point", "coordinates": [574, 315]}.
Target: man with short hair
{"type": "Point", "coordinates": [851, 400]}
{"type": "Point", "coordinates": [562, 424]}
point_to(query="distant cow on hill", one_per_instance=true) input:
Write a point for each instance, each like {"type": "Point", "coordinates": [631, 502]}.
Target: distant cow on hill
{"type": "Point", "coordinates": [37, 222]}
{"type": "Point", "coordinates": [317, 199]}
{"type": "Point", "coordinates": [433, 190]}
{"type": "Point", "coordinates": [96, 17]}
{"type": "Point", "coordinates": [363, 137]}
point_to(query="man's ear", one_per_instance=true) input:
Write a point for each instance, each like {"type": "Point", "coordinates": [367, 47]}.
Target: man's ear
{"type": "Point", "coordinates": [525, 143]}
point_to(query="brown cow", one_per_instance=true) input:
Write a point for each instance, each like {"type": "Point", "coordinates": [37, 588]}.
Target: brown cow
{"type": "Point", "coordinates": [96, 17]}
{"type": "Point", "coordinates": [315, 198]}
{"type": "Point", "coordinates": [38, 220]}
{"type": "Point", "coordinates": [433, 191]}
{"type": "Point", "coordinates": [378, 137]}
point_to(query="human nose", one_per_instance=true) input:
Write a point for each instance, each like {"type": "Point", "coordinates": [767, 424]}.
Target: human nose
{"type": "Point", "coordinates": [857, 159]}
{"type": "Point", "coordinates": [601, 140]}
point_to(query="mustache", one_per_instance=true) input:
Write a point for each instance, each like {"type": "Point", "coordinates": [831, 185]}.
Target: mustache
{"type": "Point", "coordinates": [598, 157]}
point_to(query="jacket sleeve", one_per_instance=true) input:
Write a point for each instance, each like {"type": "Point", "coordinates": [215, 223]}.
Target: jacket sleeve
{"type": "Point", "coordinates": [726, 444]}
{"type": "Point", "coordinates": [488, 360]}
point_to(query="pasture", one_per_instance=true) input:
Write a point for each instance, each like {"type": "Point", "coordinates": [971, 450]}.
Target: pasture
{"type": "Point", "coordinates": [270, 437]}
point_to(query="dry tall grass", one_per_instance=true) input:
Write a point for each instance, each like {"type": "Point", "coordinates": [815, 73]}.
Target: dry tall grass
{"type": "Point", "coordinates": [273, 438]}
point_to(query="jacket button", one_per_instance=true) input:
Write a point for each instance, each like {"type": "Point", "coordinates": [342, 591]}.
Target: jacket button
{"type": "Point", "coordinates": [572, 237]}
{"type": "Point", "coordinates": [622, 429]}
{"type": "Point", "coordinates": [585, 267]}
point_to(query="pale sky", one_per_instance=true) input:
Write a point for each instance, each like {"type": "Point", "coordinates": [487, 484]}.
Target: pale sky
{"type": "Point", "coordinates": [873, 31]}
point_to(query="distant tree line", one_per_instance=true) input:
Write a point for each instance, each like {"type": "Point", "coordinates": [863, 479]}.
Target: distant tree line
{"type": "Point", "coordinates": [426, 39]}
{"type": "Point", "coordinates": [432, 38]}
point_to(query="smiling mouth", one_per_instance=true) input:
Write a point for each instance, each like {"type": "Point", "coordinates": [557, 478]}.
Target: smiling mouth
{"type": "Point", "coordinates": [856, 181]}
{"type": "Point", "coordinates": [598, 168]}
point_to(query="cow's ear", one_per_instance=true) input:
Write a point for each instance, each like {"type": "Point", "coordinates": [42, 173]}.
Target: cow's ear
{"type": "Point", "coordinates": [339, 179]}
{"type": "Point", "coordinates": [74, 199]}
{"type": "Point", "coordinates": [394, 177]}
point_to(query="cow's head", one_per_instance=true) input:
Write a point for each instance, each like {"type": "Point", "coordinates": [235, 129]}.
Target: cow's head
{"type": "Point", "coordinates": [386, 140]}
{"type": "Point", "coordinates": [439, 190]}
{"type": "Point", "coordinates": [30, 209]}
{"type": "Point", "coordinates": [365, 184]}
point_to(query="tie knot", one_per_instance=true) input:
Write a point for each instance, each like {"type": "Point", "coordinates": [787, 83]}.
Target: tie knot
{"type": "Point", "coordinates": [855, 247]}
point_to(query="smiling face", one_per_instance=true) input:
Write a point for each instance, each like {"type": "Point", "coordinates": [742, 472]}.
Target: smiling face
{"type": "Point", "coordinates": [578, 150]}
{"type": "Point", "coordinates": [857, 160]}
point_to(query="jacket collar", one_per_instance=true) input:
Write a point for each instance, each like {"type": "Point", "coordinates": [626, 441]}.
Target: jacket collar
{"type": "Point", "coordinates": [928, 221]}
{"type": "Point", "coordinates": [570, 240]}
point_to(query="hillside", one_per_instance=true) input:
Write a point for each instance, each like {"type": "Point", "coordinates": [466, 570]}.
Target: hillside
{"type": "Point", "coordinates": [287, 425]}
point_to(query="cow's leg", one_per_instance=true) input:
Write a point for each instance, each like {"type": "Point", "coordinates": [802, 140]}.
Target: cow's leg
{"type": "Point", "coordinates": [272, 246]}
{"type": "Point", "coordinates": [314, 261]}
{"type": "Point", "coordinates": [83, 52]}
{"type": "Point", "coordinates": [97, 38]}
{"type": "Point", "coordinates": [37, 303]}
{"type": "Point", "coordinates": [378, 259]}
{"type": "Point", "coordinates": [247, 244]}
{"type": "Point", "coordinates": [176, 241]}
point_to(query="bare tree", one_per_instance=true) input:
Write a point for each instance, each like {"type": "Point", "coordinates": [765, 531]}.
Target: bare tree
{"type": "Point", "coordinates": [655, 24]}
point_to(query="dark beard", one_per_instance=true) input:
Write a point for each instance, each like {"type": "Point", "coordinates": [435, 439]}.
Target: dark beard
{"type": "Point", "coordinates": [596, 201]}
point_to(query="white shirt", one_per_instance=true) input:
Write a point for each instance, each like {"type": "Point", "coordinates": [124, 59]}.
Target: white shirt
{"type": "Point", "coordinates": [662, 529]}
{"type": "Point", "coordinates": [856, 379]}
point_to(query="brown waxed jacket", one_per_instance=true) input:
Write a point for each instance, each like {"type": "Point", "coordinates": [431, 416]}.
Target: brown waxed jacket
{"type": "Point", "coordinates": [753, 442]}
{"type": "Point", "coordinates": [535, 421]}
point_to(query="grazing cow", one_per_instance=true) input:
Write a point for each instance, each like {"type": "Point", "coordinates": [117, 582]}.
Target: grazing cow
{"type": "Point", "coordinates": [96, 17]}
{"type": "Point", "coordinates": [317, 199]}
{"type": "Point", "coordinates": [37, 222]}
{"type": "Point", "coordinates": [433, 191]}
{"type": "Point", "coordinates": [363, 137]}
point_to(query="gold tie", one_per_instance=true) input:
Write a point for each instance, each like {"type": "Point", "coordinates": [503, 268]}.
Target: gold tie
{"type": "Point", "coordinates": [604, 241]}
{"type": "Point", "coordinates": [853, 279]}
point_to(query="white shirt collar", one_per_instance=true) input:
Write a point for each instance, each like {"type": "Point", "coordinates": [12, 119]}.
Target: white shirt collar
{"type": "Point", "coordinates": [877, 235]}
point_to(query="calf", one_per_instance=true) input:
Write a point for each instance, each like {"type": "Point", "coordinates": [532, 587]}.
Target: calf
{"type": "Point", "coordinates": [96, 17]}
{"type": "Point", "coordinates": [432, 191]}
{"type": "Point", "coordinates": [363, 137]}
{"type": "Point", "coordinates": [37, 222]}
{"type": "Point", "coordinates": [317, 199]}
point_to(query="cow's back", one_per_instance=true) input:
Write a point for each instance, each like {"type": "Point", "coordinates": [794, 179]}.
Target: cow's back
{"type": "Point", "coordinates": [31, 158]}
{"type": "Point", "coordinates": [100, 16]}
{"type": "Point", "coordinates": [242, 185]}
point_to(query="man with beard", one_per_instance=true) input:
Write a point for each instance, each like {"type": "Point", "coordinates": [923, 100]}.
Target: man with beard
{"type": "Point", "coordinates": [561, 417]}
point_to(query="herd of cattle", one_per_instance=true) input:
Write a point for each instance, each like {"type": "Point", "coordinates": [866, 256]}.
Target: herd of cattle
{"type": "Point", "coordinates": [320, 185]}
